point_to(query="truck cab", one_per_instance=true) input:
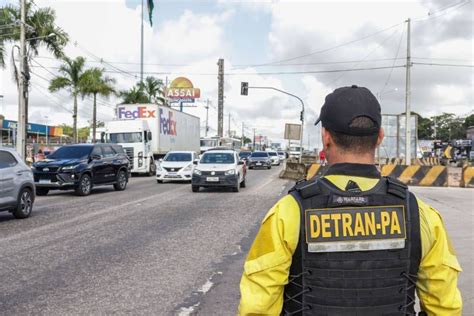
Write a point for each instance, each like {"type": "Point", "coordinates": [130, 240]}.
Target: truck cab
{"type": "Point", "coordinates": [135, 137]}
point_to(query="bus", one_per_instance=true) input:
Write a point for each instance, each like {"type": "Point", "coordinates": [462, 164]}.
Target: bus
{"type": "Point", "coordinates": [213, 142]}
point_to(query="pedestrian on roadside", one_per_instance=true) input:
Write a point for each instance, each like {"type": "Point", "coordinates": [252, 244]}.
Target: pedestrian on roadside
{"type": "Point", "coordinates": [351, 242]}
{"type": "Point", "coordinates": [322, 157]}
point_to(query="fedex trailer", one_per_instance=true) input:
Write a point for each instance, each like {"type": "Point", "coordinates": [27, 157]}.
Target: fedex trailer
{"type": "Point", "coordinates": [148, 131]}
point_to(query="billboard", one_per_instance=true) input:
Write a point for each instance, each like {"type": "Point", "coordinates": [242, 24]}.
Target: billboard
{"type": "Point", "coordinates": [181, 90]}
{"type": "Point", "coordinates": [292, 131]}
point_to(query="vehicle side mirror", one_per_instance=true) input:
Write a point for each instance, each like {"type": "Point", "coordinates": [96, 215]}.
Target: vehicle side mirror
{"type": "Point", "coordinates": [149, 136]}
{"type": "Point", "coordinates": [160, 160]}
{"type": "Point", "coordinates": [96, 157]}
{"type": "Point", "coordinates": [240, 162]}
{"type": "Point", "coordinates": [195, 162]}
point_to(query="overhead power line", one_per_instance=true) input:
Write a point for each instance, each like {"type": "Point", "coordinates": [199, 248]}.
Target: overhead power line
{"type": "Point", "coordinates": [391, 70]}
{"type": "Point", "coordinates": [445, 65]}
{"type": "Point", "coordinates": [443, 11]}
{"type": "Point", "coordinates": [326, 49]}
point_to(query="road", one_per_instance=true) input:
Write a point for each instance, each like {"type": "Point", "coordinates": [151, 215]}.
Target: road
{"type": "Point", "coordinates": [159, 249]}
{"type": "Point", "coordinates": [144, 251]}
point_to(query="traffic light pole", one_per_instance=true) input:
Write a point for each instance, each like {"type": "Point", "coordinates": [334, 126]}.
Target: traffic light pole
{"type": "Point", "coordinates": [302, 112]}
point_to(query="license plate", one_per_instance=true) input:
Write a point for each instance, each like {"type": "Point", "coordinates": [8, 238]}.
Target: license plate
{"type": "Point", "coordinates": [258, 164]}
{"type": "Point", "coordinates": [212, 179]}
{"type": "Point", "coordinates": [172, 173]}
{"type": "Point", "coordinates": [44, 181]}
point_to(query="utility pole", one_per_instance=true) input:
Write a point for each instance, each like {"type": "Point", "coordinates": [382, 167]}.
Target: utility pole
{"type": "Point", "coordinates": [141, 50]}
{"type": "Point", "coordinates": [207, 116]}
{"type": "Point", "coordinates": [220, 98]}
{"type": "Point", "coordinates": [243, 137]}
{"type": "Point", "coordinates": [407, 101]}
{"type": "Point", "coordinates": [228, 131]}
{"type": "Point", "coordinates": [253, 147]}
{"type": "Point", "coordinates": [21, 127]}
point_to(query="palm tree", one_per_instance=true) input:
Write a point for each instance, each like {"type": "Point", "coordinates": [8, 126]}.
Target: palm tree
{"type": "Point", "coordinates": [71, 79]}
{"type": "Point", "coordinates": [41, 30]}
{"type": "Point", "coordinates": [134, 95]}
{"type": "Point", "coordinates": [154, 89]}
{"type": "Point", "coordinates": [96, 83]}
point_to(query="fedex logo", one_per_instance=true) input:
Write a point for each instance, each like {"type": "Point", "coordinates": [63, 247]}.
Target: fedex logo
{"type": "Point", "coordinates": [140, 113]}
{"type": "Point", "coordinates": [167, 124]}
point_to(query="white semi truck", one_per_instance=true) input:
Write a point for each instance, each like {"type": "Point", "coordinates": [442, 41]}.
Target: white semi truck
{"type": "Point", "coordinates": [148, 131]}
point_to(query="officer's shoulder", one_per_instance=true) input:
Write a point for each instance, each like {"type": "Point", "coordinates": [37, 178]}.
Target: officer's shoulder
{"type": "Point", "coordinates": [306, 188]}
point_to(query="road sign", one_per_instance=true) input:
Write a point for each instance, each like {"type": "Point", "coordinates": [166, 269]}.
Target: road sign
{"type": "Point", "coordinates": [292, 131]}
{"type": "Point", "coordinates": [244, 88]}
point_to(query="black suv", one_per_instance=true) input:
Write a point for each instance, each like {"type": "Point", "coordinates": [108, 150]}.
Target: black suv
{"type": "Point", "coordinates": [80, 167]}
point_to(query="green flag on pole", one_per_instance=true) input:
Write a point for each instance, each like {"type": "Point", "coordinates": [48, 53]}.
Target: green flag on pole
{"type": "Point", "coordinates": [150, 6]}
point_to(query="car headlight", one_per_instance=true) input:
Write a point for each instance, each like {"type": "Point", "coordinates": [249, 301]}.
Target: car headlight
{"type": "Point", "coordinates": [158, 168]}
{"type": "Point", "coordinates": [188, 168]}
{"type": "Point", "coordinates": [197, 172]}
{"type": "Point", "coordinates": [230, 172]}
{"type": "Point", "coordinates": [33, 167]}
{"type": "Point", "coordinates": [72, 167]}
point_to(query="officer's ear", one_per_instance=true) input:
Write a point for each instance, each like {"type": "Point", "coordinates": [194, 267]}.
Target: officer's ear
{"type": "Point", "coordinates": [326, 138]}
{"type": "Point", "coordinates": [381, 136]}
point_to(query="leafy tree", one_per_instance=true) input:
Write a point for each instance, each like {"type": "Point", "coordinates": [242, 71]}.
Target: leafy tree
{"type": "Point", "coordinates": [95, 83]}
{"type": "Point", "coordinates": [41, 30]}
{"type": "Point", "coordinates": [154, 89]}
{"type": "Point", "coordinates": [134, 95]}
{"type": "Point", "coordinates": [425, 127]}
{"type": "Point", "coordinates": [469, 121]}
{"type": "Point", "coordinates": [247, 140]}
{"type": "Point", "coordinates": [71, 79]}
{"type": "Point", "coordinates": [448, 126]}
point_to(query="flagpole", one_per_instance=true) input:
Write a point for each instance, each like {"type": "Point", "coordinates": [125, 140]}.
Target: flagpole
{"type": "Point", "coordinates": [141, 60]}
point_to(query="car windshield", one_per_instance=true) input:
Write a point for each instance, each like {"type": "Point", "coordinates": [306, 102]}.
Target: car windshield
{"type": "Point", "coordinates": [178, 157]}
{"type": "Point", "coordinates": [244, 154]}
{"type": "Point", "coordinates": [272, 153]}
{"type": "Point", "coordinates": [259, 155]}
{"type": "Point", "coordinates": [218, 158]}
{"type": "Point", "coordinates": [125, 137]}
{"type": "Point", "coordinates": [208, 143]}
{"type": "Point", "coordinates": [71, 152]}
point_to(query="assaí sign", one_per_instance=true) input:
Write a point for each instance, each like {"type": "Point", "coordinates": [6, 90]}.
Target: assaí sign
{"type": "Point", "coordinates": [182, 89]}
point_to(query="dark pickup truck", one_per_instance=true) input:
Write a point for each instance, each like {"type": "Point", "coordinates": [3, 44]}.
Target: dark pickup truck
{"type": "Point", "coordinates": [81, 167]}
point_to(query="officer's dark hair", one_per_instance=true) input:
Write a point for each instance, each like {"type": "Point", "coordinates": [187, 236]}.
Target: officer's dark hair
{"type": "Point", "coordinates": [357, 144]}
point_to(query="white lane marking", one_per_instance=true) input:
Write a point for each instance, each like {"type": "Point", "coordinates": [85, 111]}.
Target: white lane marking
{"type": "Point", "coordinates": [86, 216]}
{"type": "Point", "coordinates": [206, 287]}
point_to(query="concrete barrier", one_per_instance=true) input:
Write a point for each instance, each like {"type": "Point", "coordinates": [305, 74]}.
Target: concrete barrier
{"type": "Point", "coordinates": [411, 175]}
{"type": "Point", "coordinates": [293, 170]}
{"type": "Point", "coordinates": [467, 179]}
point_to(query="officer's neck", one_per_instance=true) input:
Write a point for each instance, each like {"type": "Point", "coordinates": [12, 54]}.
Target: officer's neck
{"type": "Point", "coordinates": [348, 157]}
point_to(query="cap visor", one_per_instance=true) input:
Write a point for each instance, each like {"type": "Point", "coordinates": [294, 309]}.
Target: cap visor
{"type": "Point", "coordinates": [317, 121]}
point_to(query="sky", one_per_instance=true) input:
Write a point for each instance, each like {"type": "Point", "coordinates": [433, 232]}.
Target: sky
{"type": "Point", "coordinates": [308, 48]}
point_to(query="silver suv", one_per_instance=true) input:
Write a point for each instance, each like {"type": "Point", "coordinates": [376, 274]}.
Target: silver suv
{"type": "Point", "coordinates": [17, 188]}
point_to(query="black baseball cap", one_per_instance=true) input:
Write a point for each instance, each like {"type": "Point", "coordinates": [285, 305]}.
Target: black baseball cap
{"type": "Point", "coordinates": [345, 104]}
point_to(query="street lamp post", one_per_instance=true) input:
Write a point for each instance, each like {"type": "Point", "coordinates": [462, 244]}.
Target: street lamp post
{"type": "Point", "coordinates": [302, 112]}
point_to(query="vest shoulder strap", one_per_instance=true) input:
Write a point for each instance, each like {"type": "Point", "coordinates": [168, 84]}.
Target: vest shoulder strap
{"type": "Point", "coordinates": [306, 189]}
{"type": "Point", "coordinates": [396, 187]}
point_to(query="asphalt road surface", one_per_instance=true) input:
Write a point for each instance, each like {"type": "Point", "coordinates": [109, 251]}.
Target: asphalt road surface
{"type": "Point", "coordinates": [147, 250]}
{"type": "Point", "coordinates": [159, 249]}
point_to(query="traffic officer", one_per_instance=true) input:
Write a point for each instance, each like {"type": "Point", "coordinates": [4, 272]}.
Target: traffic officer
{"type": "Point", "coordinates": [350, 242]}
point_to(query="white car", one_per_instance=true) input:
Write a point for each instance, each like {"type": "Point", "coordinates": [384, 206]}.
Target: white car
{"type": "Point", "coordinates": [176, 166]}
{"type": "Point", "coordinates": [219, 168]}
{"type": "Point", "coordinates": [274, 157]}
{"type": "Point", "coordinates": [282, 155]}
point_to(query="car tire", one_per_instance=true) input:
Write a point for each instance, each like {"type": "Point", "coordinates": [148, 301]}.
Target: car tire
{"type": "Point", "coordinates": [85, 185]}
{"type": "Point", "coordinates": [243, 184]}
{"type": "Point", "coordinates": [236, 188]}
{"type": "Point", "coordinates": [24, 204]}
{"type": "Point", "coordinates": [159, 181]}
{"type": "Point", "coordinates": [152, 171]}
{"type": "Point", "coordinates": [121, 181]}
{"type": "Point", "coordinates": [250, 167]}
{"type": "Point", "coordinates": [42, 191]}
{"type": "Point", "coordinates": [195, 188]}
{"type": "Point", "coordinates": [269, 167]}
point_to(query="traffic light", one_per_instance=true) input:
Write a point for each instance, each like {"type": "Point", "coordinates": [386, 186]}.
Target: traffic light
{"type": "Point", "coordinates": [301, 116]}
{"type": "Point", "coordinates": [244, 88]}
